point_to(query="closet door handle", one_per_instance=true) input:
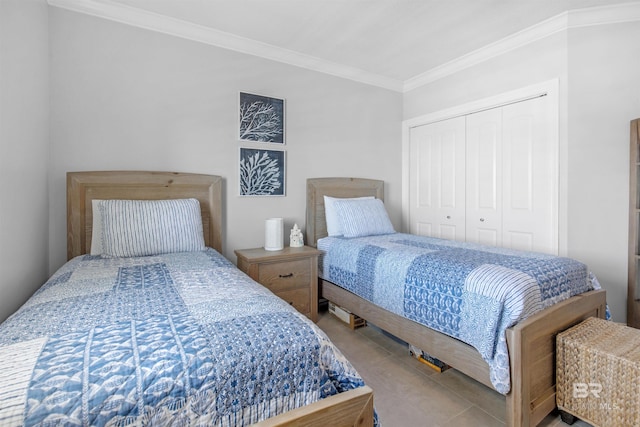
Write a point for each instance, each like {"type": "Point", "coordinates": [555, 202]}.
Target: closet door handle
{"type": "Point", "coordinates": [448, 216]}
{"type": "Point", "coordinates": [481, 219]}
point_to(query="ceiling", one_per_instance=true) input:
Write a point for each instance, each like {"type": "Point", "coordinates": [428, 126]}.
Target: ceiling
{"type": "Point", "coordinates": [395, 40]}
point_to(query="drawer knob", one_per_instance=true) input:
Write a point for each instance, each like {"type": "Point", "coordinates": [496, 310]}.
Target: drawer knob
{"type": "Point", "coordinates": [284, 276]}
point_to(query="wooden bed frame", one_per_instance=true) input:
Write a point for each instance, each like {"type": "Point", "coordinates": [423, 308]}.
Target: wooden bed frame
{"type": "Point", "coordinates": [352, 408]}
{"type": "Point", "coordinates": [531, 343]}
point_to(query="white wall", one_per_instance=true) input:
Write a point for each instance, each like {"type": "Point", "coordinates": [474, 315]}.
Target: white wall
{"type": "Point", "coordinates": [533, 63]}
{"type": "Point", "coordinates": [128, 98]}
{"type": "Point", "coordinates": [603, 97]}
{"type": "Point", "coordinates": [599, 95]}
{"type": "Point", "coordinates": [23, 150]}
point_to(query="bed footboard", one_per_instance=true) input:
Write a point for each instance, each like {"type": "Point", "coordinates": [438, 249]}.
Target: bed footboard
{"type": "Point", "coordinates": [349, 409]}
{"type": "Point", "coordinates": [532, 350]}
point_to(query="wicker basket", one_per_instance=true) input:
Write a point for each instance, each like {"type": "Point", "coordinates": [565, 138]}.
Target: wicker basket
{"type": "Point", "coordinates": [598, 373]}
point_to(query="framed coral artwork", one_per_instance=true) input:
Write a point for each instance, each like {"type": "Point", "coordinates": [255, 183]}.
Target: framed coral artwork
{"type": "Point", "coordinates": [262, 172]}
{"type": "Point", "coordinates": [261, 119]}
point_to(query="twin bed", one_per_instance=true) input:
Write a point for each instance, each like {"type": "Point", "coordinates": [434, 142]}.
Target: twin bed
{"type": "Point", "coordinates": [157, 328]}
{"type": "Point", "coordinates": [126, 333]}
{"type": "Point", "coordinates": [490, 313]}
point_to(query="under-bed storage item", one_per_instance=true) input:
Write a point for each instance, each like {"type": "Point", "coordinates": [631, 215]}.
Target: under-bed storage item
{"type": "Point", "coordinates": [182, 337]}
{"type": "Point", "coordinates": [346, 316]}
{"type": "Point", "coordinates": [598, 373]}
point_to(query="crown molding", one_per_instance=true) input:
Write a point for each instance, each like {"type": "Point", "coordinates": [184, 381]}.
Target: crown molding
{"type": "Point", "coordinates": [512, 42]}
{"type": "Point", "coordinates": [175, 27]}
{"type": "Point", "coordinates": [124, 14]}
{"type": "Point", "coordinates": [603, 15]}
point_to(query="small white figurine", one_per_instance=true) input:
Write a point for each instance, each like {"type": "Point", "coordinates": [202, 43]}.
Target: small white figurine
{"type": "Point", "coordinates": [296, 240]}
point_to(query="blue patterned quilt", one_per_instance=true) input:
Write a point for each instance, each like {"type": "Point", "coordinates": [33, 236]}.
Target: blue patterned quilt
{"type": "Point", "coordinates": [178, 339]}
{"type": "Point", "coordinates": [468, 291]}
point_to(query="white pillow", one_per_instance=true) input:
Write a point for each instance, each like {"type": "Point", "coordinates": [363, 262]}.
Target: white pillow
{"type": "Point", "coordinates": [96, 228]}
{"type": "Point", "coordinates": [333, 222]}
{"type": "Point", "coordinates": [150, 227]}
{"type": "Point", "coordinates": [360, 218]}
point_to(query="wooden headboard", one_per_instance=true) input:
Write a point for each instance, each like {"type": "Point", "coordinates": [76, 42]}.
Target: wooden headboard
{"type": "Point", "coordinates": [83, 187]}
{"type": "Point", "coordinates": [317, 188]}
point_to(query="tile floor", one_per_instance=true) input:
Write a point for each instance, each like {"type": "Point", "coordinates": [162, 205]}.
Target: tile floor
{"type": "Point", "coordinates": [408, 393]}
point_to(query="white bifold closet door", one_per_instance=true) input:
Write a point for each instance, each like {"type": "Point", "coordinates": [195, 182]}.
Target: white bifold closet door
{"type": "Point", "coordinates": [488, 177]}
{"type": "Point", "coordinates": [436, 175]}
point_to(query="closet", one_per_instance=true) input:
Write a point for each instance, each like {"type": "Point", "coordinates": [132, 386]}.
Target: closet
{"type": "Point", "coordinates": [490, 176]}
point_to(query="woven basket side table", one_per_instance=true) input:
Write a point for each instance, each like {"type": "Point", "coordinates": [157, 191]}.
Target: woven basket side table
{"type": "Point", "coordinates": [598, 373]}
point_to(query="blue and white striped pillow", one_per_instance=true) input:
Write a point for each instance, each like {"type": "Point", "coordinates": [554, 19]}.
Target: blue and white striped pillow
{"type": "Point", "coordinates": [331, 215]}
{"type": "Point", "coordinates": [150, 227]}
{"type": "Point", "coordinates": [363, 217]}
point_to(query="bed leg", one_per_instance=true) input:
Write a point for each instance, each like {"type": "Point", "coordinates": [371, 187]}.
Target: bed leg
{"type": "Point", "coordinates": [566, 417]}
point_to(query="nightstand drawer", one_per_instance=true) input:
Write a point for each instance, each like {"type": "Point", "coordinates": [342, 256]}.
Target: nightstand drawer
{"type": "Point", "coordinates": [285, 275]}
{"type": "Point", "coordinates": [291, 273]}
{"type": "Point", "coordinates": [299, 298]}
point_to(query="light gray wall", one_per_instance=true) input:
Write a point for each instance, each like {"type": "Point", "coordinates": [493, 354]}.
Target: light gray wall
{"type": "Point", "coordinates": [128, 98]}
{"type": "Point", "coordinates": [24, 150]}
{"type": "Point", "coordinates": [533, 63]}
{"type": "Point", "coordinates": [603, 97]}
{"type": "Point", "coordinates": [599, 95]}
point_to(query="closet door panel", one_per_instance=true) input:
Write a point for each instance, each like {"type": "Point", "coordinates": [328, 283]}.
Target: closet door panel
{"type": "Point", "coordinates": [437, 179]}
{"type": "Point", "coordinates": [484, 177]}
{"type": "Point", "coordinates": [489, 177]}
{"type": "Point", "coordinates": [530, 177]}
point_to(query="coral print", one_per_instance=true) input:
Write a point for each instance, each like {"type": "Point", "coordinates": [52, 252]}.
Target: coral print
{"type": "Point", "coordinates": [261, 118]}
{"type": "Point", "coordinates": [261, 172]}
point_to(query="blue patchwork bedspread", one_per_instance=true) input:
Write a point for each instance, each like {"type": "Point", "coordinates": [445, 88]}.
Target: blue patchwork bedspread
{"type": "Point", "coordinates": [468, 291]}
{"type": "Point", "coordinates": [179, 339]}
